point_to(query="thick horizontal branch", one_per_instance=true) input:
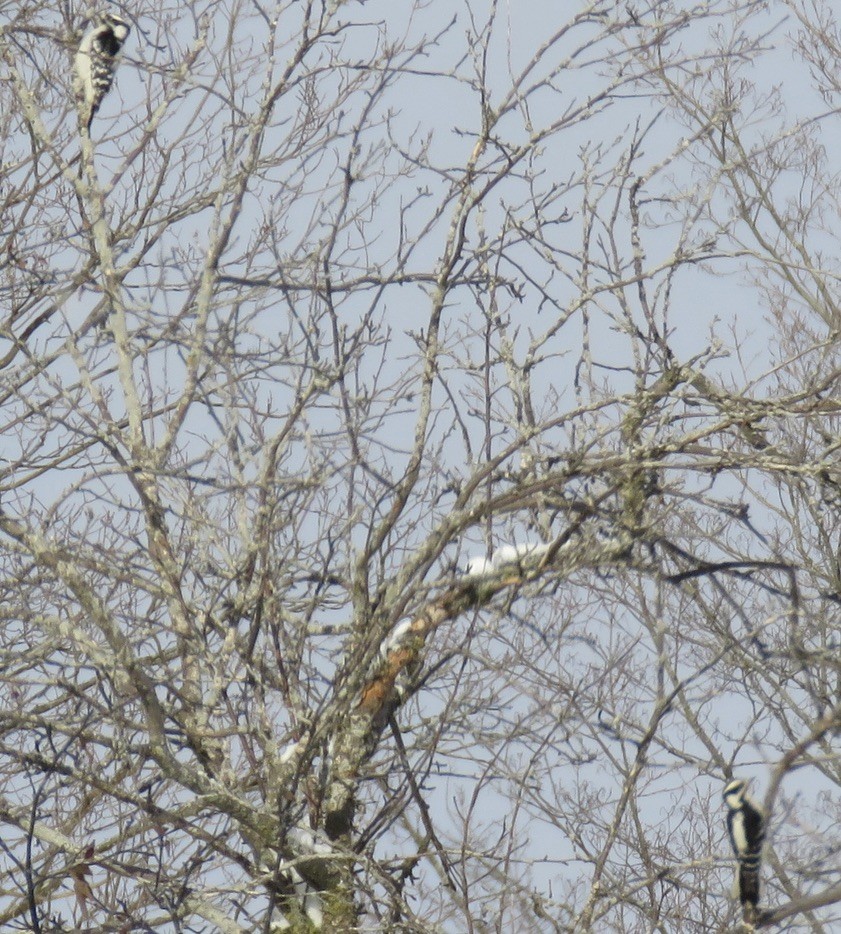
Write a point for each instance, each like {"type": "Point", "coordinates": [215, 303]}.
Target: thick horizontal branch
{"type": "Point", "coordinates": [798, 905]}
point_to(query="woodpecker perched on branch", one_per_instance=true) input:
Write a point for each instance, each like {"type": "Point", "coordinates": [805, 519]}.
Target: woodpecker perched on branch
{"type": "Point", "coordinates": [96, 61]}
{"type": "Point", "coordinates": [746, 828]}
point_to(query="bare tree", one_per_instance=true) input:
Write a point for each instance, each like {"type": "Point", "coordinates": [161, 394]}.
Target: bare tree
{"type": "Point", "coordinates": [420, 485]}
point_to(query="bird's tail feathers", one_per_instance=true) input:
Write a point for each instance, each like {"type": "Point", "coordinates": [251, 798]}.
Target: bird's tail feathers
{"type": "Point", "coordinates": [748, 880]}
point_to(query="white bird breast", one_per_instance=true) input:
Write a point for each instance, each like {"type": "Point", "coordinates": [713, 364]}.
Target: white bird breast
{"type": "Point", "coordinates": [478, 566]}
{"type": "Point", "coordinates": [512, 554]}
{"type": "Point", "coordinates": [737, 830]}
{"type": "Point", "coordinates": [83, 72]}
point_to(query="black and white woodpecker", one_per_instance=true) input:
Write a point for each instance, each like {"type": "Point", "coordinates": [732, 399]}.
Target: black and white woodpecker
{"type": "Point", "coordinates": [746, 828]}
{"type": "Point", "coordinates": [96, 61]}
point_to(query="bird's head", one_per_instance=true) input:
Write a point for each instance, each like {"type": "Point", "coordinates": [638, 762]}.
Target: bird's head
{"type": "Point", "coordinates": [118, 26]}
{"type": "Point", "coordinates": [734, 793]}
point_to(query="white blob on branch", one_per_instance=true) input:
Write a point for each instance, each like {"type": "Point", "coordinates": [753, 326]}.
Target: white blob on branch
{"type": "Point", "coordinates": [504, 556]}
